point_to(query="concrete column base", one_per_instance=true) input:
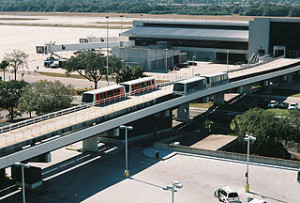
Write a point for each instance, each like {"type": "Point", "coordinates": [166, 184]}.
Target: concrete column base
{"type": "Point", "coordinates": [183, 113]}
{"type": "Point", "coordinates": [90, 144]}
{"type": "Point", "coordinates": [219, 98]}
{"type": "Point", "coordinates": [245, 89]}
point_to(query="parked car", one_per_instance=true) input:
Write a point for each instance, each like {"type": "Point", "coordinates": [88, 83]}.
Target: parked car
{"type": "Point", "coordinates": [293, 106]}
{"type": "Point", "coordinates": [182, 65]}
{"type": "Point", "coordinates": [273, 104]}
{"type": "Point", "coordinates": [192, 63]}
{"type": "Point", "coordinates": [173, 68]}
{"type": "Point", "coordinates": [283, 105]}
{"type": "Point", "coordinates": [263, 103]}
{"type": "Point", "coordinates": [227, 195]}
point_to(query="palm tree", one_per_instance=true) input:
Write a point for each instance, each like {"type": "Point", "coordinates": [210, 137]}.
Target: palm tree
{"type": "Point", "coordinates": [3, 66]}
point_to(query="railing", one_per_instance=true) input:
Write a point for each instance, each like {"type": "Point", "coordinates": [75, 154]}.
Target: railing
{"type": "Point", "coordinates": [31, 121]}
{"type": "Point", "coordinates": [245, 67]}
{"type": "Point", "coordinates": [27, 122]}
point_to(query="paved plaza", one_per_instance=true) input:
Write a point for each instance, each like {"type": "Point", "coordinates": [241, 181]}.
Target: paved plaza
{"type": "Point", "coordinates": [102, 180]}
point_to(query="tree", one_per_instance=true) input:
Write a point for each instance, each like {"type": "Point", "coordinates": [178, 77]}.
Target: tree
{"type": "Point", "coordinates": [16, 60]}
{"type": "Point", "coordinates": [128, 73]}
{"type": "Point", "coordinates": [91, 66]}
{"type": "Point", "coordinates": [10, 93]}
{"type": "Point", "coordinates": [28, 100]}
{"type": "Point", "coordinates": [46, 97]}
{"type": "Point", "coordinates": [3, 66]}
{"type": "Point", "coordinates": [270, 130]}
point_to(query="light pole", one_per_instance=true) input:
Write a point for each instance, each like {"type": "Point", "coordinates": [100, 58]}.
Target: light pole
{"type": "Point", "coordinates": [166, 60]}
{"type": "Point", "coordinates": [175, 184]}
{"type": "Point", "coordinates": [248, 138]}
{"type": "Point", "coordinates": [121, 23]}
{"type": "Point", "coordinates": [227, 59]}
{"type": "Point", "coordinates": [126, 51]}
{"type": "Point", "coordinates": [193, 66]}
{"type": "Point", "coordinates": [107, 75]}
{"type": "Point", "coordinates": [18, 164]}
{"type": "Point", "coordinates": [126, 172]}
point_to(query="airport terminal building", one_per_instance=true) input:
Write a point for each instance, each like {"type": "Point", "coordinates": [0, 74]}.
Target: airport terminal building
{"type": "Point", "coordinates": [213, 40]}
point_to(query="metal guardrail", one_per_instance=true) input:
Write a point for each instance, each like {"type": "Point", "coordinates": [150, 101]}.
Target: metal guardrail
{"type": "Point", "coordinates": [245, 67]}
{"type": "Point", "coordinates": [31, 121]}
{"type": "Point", "coordinates": [27, 122]}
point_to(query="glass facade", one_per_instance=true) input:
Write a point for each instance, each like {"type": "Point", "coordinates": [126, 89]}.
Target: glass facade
{"type": "Point", "coordinates": [139, 41]}
{"type": "Point", "coordinates": [285, 34]}
{"type": "Point", "coordinates": [203, 26]}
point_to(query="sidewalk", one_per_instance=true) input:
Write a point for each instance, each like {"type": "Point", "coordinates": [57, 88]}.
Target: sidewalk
{"type": "Point", "coordinates": [159, 154]}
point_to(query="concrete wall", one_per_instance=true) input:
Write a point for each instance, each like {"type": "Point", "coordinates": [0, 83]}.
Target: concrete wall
{"type": "Point", "coordinates": [230, 155]}
{"type": "Point", "coordinates": [259, 35]}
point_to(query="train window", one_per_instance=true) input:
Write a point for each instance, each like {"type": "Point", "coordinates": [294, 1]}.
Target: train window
{"type": "Point", "coordinates": [87, 98]}
{"type": "Point", "coordinates": [178, 87]}
{"type": "Point", "coordinates": [97, 96]}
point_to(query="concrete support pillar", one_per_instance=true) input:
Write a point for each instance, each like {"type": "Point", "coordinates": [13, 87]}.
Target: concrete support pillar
{"type": "Point", "coordinates": [266, 83]}
{"type": "Point", "coordinates": [205, 99]}
{"type": "Point", "coordinates": [290, 78]}
{"type": "Point", "coordinates": [90, 144]}
{"type": "Point", "coordinates": [2, 175]}
{"type": "Point", "coordinates": [183, 112]}
{"type": "Point", "coordinates": [219, 98]}
{"type": "Point", "coordinates": [116, 132]}
{"type": "Point", "coordinates": [245, 89]}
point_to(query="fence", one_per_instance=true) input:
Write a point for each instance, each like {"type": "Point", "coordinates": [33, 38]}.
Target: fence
{"type": "Point", "coordinates": [247, 66]}
{"type": "Point", "coordinates": [230, 155]}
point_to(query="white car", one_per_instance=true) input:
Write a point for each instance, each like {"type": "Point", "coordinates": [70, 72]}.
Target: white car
{"type": "Point", "coordinates": [227, 195]}
{"type": "Point", "coordinates": [293, 106]}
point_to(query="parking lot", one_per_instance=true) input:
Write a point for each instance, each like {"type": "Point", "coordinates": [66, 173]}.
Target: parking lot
{"type": "Point", "coordinates": [102, 180]}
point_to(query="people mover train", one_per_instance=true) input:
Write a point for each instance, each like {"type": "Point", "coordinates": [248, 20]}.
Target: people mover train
{"type": "Point", "coordinates": [118, 92]}
{"type": "Point", "coordinates": [197, 83]}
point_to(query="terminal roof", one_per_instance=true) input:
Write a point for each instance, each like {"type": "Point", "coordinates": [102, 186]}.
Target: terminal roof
{"type": "Point", "coordinates": [189, 33]}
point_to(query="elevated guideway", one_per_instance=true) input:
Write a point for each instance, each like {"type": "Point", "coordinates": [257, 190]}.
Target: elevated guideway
{"type": "Point", "coordinates": [22, 134]}
{"type": "Point", "coordinates": [16, 136]}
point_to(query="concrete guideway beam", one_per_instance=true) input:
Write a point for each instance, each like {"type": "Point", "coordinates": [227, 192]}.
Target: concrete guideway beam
{"type": "Point", "coordinates": [127, 118]}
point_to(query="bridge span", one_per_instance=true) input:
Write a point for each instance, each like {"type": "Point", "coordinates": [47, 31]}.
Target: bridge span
{"type": "Point", "coordinates": [53, 133]}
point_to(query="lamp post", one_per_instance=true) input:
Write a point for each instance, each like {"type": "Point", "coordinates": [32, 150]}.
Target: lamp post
{"type": "Point", "coordinates": [121, 23]}
{"type": "Point", "coordinates": [18, 164]}
{"type": "Point", "coordinates": [126, 51]}
{"type": "Point", "coordinates": [175, 184]}
{"type": "Point", "coordinates": [248, 138]}
{"type": "Point", "coordinates": [227, 56]}
{"type": "Point", "coordinates": [193, 66]}
{"type": "Point", "coordinates": [166, 60]}
{"type": "Point", "coordinates": [107, 75]}
{"type": "Point", "coordinates": [126, 172]}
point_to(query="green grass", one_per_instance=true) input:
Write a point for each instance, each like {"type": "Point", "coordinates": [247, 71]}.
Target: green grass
{"type": "Point", "coordinates": [63, 75]}
{"type": "Point", "coordinates": [280, 112]}
{"type": "Point", "coordinates": [285, 92]}
{"type": "Point", "coordinates": [202, 105]}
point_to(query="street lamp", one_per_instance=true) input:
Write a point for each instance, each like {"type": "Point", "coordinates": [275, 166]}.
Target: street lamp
{"type": "Point", "coordinates": [121, 23]}
{"type": "Point", "coordinates": [18, 164]}
{"type": "Point", "coordinates": [176, 184]}
{"type": "Point", "coordinates": [193, 66]}
{"type": "Point", "coordinates": [227, 59]}
{"type": "Point", "coordinates": [107, 75]}
{"type": "Point", "coordinates": [126, 51]}
{"type": "Point", "coordinates": [248, 138]}
{"type": "Point", "coordinates": [126, 172]}
{"type": "Point", "coordinates": [166, 60]}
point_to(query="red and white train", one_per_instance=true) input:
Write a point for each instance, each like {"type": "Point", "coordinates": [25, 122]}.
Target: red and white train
{"type": "Point", "coordinates": [117, 92]}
